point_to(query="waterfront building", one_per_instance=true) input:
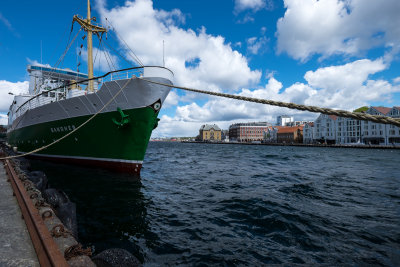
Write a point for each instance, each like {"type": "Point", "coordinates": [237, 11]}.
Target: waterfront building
{"type": "Point", "coordinates": [338, 130]}
{"type": "Point", "coordinates": [308, 133]}
{"type": "Point", "coordinates": [271, 134]}
{"type": "Point", "coordinates": [248, 132]}
{"type": "Point", "coordinates": [393, 131]}
{"type": "Point", "coordinates": [297, 123]}
{"type": "Point", "coordinates": [394, 112]}
{"type": "Point", "coordinates": [290, 134]}
{"type": "Point", "coordinates": [209, 133]}
{"type": "Point", "coordinates": [284, 120]}
{"type": "Point", "coordinates": [376, 133]}
{"type": "Point", "coordinates": [325, 129]}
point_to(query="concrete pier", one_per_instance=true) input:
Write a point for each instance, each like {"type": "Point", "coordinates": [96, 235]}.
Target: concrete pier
{"type": "Point", "coordinates": [16, 247]}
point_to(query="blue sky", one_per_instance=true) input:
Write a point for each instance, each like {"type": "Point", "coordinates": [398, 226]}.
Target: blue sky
{"type": "Point", "coordinates": [329, 53]}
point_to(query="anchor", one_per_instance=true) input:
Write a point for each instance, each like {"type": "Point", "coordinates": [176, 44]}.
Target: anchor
{"type": "Point", "coordinates": [124, 119]}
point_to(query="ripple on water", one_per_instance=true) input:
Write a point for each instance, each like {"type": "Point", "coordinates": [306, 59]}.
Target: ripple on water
{"type": "Point", "coordinates": [234, 205]}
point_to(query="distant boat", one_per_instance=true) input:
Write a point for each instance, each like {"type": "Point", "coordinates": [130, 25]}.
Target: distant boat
{"type": "Point", "coordinates": [60, 100]}
{"type": "Point", "coordinates": [358, 143]}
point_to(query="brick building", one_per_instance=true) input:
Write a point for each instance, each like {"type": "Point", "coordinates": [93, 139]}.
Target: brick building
{"type": "Point", "coordinates": [248, 132]}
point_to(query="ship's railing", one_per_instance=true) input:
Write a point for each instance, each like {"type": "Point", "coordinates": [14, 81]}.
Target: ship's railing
{"type": "Point", "coordinates": [41, 99]}
{"type": "Point", "coordinates": [121, 75]}
{"type": "Point", "coordinates": [146, 71]}
{"type": "Point", "coordinates": [37, 101]}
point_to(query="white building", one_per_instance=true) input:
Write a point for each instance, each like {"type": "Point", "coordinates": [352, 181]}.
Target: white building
{"type": "Point", "coordinates": [325, 129]}
{"type": "Point", "coordinates": [332, 129]}
{"type": "Point", "coordinates": [308, 133]}
{"type": "Point", "coordinates": [393, 133]}
{"type": "Point", "coordinates": [284, 120]}
{"type": "Point", "coordinates": [377, 133]}
{"type": "Point", "coordinates": [297, 123]}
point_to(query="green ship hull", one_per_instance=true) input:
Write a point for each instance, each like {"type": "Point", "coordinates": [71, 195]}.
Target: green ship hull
{"type": "Point", "coordinates": [106, 141]}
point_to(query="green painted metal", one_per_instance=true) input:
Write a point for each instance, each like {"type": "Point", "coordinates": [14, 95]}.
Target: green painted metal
{"type": "Point", "coordinates": [98, 139]}
{"type": "Point", "coordinates": [124, 119]}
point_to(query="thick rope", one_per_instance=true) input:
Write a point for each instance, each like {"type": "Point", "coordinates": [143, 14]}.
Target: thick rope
{"type": "Point", "coordinates": [327, 111]}
{"type": "Point", "coordinates": [73, 131]}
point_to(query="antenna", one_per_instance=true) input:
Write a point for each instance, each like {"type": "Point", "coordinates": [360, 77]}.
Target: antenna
{"type": "Point", "coordinates": [41, 62]}
{"type": "Point", "coordinates": [163, 60]}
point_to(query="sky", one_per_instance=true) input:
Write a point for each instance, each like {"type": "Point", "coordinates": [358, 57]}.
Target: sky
{"type": "Point", "coordinates": [327, 53]}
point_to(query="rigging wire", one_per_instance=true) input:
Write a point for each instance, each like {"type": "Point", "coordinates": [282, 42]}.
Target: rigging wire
{"type": "Point", "coordinates": [105, 56]}
{"type": "Point", "coordinates": [110, 57]}
{"type": "Point", "coordinates": [69, 38]}
{"type": "Point", "coordinates": [66, 50]}
{"type": "Point", "coordinates": [134, 57]}
{"type": "Point", "coordinates": [119, 54]}
{"type": "Point", "coordinates": [97, 51]}
{"type": "Point", "coordinates": [59, 41]}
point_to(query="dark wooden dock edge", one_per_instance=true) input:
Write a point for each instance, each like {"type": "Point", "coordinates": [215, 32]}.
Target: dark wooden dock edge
{"type": "Point", "coordinates": [297, 145]}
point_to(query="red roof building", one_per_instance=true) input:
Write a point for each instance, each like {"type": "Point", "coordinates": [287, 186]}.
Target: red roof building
{"type": "Point", "coordinates": [290, 134]}
{"type": "Point", "coordinates": [379, 110]}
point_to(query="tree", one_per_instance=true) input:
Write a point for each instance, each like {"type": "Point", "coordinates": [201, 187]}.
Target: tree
{"type": "Point", "coordinates": [361, 109]}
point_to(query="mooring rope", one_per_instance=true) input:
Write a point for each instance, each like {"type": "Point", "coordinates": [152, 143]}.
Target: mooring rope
{"type": "Point", "coordinates": [73, 131]}
{"type": "Point", "coordinates": [327, 111]}
{"type": "Point", "coordinates": [315, 109]}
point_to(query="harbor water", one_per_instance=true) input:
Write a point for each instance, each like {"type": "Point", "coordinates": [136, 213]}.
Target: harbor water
{"type": "Point", "coordinates": [210, 204]}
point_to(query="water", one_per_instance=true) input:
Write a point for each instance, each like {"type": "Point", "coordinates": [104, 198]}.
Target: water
{"type": "Point", "coordinates": [207, 204]}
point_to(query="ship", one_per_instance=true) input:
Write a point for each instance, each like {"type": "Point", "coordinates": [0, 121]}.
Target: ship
{"type": "Point", "coordinates": [73, 117]}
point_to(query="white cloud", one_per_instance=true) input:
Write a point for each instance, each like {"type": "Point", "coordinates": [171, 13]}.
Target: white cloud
{"type": "Point", "coordinates": [396, 80]}
{"type": "Point", "coordinates": [254, 5]}
{"type": "Point", "coordinates": [205, 61]}
{"type": "Point", "coordinates": [219, 66]}
{"type": "Point", "coordinates": [3, 119]}
{"type": "Point", "coordinates": [263, 30]}
{"type": "Point", "coordinates": [348, 76]}
{"type": "Point", "coordinates": [250, 7]}
{"type": "Point", "coordinates": [341, 87]}
{"type": "Point", "coordinates": [171, 100]}
{"type": "Point", "coordinates": [329, 27]}
{"type": "Point", "coordinates": [348, 86]}
{"type": "Point", "coordinates": [15, 88]}
{"type": "Point", "coordinates": [6, 22]}
{"type": "Point", "coordinates": [256, 45]}
{"type": "Point", "coordinates": [8, 25]}
{"type": "Point", "coordinates": [36, 63]}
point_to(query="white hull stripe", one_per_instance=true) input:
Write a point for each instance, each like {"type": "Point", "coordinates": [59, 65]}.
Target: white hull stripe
{"type": "Point", "coordinates": [86, 158]}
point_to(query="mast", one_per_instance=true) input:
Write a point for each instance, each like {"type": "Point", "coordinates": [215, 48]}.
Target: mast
{"type": "Point", "coordinates": [89, 47]}
{"type": "Point", "coordinates": [90, 28]}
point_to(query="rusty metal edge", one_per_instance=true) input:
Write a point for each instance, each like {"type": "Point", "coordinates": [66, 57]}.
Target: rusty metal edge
{"type": "Point", "coordinates": [46, 249]}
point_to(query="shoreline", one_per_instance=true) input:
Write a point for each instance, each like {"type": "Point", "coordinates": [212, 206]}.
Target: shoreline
{"type": "Point", "coordinates": [298, 145]}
